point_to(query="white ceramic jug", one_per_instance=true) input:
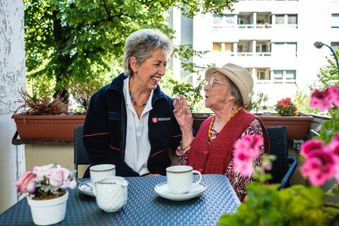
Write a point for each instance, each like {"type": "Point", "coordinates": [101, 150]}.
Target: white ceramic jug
{"type": "Point", "coordinates": [111, 193]}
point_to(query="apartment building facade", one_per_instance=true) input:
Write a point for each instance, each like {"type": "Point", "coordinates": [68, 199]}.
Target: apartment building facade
{"type": "Point", "coordinates": [273, 39]}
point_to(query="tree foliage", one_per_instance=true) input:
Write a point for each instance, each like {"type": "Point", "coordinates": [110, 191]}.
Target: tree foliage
{"type": "Point", "coordinates": [74, 41]}
{"type": "Point", "coordinates": [328, 75]}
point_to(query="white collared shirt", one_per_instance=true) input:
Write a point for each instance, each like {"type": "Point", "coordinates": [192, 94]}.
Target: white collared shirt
{"type": "Point", "coordinates": [138, 147]}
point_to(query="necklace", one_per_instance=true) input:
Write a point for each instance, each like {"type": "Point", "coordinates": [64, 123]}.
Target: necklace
{"type": "Point", "coordinates": [134, 102]}
{"type": "Point", "coordinates": [213, 134]}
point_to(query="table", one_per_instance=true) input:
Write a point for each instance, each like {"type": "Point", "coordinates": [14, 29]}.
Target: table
{"type": "Point", "coordinates": [143, 207]}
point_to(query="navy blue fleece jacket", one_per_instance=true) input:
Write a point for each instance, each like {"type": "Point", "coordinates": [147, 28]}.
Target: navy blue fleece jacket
{"type": "Point", "coordinates": [105, 129]}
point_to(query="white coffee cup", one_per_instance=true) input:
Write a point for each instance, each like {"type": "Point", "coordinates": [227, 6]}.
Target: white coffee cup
{"type": "Point", "coordinates": [180, 178]}
{"type": "Point", "coordinates": [101, 171]}
{"type": "Point", "coordinates": [111, 193]}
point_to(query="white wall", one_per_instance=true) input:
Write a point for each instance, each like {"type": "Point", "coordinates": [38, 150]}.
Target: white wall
{"type": "Point", "coordinates": [12, 78]}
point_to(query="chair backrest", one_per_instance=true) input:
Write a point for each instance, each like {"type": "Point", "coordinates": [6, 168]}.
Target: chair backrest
{"type": "Point", "coordinates": [278, 147]}
{"type": "Point", "coordinates": [80, 154]}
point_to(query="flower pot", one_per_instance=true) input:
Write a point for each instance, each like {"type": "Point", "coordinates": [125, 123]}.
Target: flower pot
{"type": "Point", "coordinates": [47, 212]}
{"type": "Point", "coordinates": [47, 128]}
{"type": "Point", "coordinates": [297, 126]}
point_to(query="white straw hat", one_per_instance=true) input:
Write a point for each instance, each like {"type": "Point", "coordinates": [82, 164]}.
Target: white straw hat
{"type": "Point", "coordinates": [238, 75]}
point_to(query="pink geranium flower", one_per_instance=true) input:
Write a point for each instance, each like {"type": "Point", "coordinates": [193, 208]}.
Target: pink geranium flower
{"type": "Point", "coordinates": [321, 100]}
{"type": "Point", "coordinates": [333, 94]}
{"type": "Point", "coordinates": [310, 146]}
{"type": "Point", "coordinates": [318, 167]}
{"type": "Point", "coordinates": [245, 151]}
{"type": "Point", "coordinates": [250, 144]}
{"type": "Point", "coordinates": [242, 162]}
{"type": "Point", "coordinates": [333, 148]}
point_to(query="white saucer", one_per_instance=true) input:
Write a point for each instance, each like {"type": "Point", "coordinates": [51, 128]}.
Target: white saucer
{"type": "Point", "coordinates": [163, 191]}
{"type": "Point", "coordinates": [86, 188]}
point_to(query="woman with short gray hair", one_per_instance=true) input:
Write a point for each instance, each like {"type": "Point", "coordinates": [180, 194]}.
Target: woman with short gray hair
{"type": "Point", "coordinates": [130, 122]}
{"type": "Point", "coordinates": [227, 90]}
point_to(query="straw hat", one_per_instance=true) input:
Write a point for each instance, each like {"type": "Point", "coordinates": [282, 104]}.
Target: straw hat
{"type": "Point", "coordinates": [238, 75]}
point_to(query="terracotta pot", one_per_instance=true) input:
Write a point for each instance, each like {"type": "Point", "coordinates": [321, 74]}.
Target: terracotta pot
{"type": "Point", "coordinates": [47, 212]}
{"type": "Point", "coordinates": [47, 127]}
{"type": "Point", "coordinates": [297, 126]}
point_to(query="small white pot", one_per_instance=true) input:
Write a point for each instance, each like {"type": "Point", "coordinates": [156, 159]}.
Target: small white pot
{"type": "Point", "coordinates": [46, 212]}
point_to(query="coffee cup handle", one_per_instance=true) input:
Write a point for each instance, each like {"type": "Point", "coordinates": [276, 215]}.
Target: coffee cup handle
{"type": "Point", "coordinates": [200, 176]}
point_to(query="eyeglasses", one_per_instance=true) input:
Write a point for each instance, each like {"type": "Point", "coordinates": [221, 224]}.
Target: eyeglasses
{"type": "Point", "coordinates": [213, 81]}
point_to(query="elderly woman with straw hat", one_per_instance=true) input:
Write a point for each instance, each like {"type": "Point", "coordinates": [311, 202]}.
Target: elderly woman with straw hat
{"type": "Point", "coordinates": [211, 151]}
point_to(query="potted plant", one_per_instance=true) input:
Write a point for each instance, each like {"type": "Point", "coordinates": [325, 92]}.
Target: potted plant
{"type": "Point", "coordinates": [47, 196]}
{"type": "Point", "coordinates": [45, 119]}
{"type": "Point", "coordinates": [287, 115]}
{"type": "Point", "coordinates": [298, 204]}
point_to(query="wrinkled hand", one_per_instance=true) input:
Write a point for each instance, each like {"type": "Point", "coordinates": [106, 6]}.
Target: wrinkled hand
{"type": "Point", "coordinates": [182, 113]}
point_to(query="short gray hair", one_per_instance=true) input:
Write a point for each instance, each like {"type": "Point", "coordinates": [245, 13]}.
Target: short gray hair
{"type": "Point", "coordinates": [142, 43]}
{"type": "Point", "coordinates": [235, 92]}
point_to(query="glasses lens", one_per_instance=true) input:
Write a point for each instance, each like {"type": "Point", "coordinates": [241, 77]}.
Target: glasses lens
{"type": "Point", "coordinates": [210, 82]}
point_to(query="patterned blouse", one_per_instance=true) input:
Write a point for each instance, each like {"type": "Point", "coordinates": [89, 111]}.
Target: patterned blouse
{"type": "Point", "coordinates": [238, 182]}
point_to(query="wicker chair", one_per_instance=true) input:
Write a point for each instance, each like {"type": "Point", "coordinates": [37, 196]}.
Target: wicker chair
{"type": "Point", "coordinates": [284, 165]}
{"type": "Point", "coordinates": [80, 154]}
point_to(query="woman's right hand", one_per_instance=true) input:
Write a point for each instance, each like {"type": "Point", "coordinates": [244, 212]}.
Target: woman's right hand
{"type": "Point", "coordinates": [182, 113]}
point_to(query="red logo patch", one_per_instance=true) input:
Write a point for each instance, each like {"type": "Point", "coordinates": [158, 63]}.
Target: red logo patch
{"type": "Point", "coordinates": [154, 120]}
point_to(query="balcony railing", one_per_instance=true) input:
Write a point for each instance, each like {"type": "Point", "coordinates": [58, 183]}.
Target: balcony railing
{"type": "Point", "coordinates": [254, 26]}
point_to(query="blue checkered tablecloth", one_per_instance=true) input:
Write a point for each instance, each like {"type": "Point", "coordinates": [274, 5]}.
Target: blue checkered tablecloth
{"type": "Point", "coordinates": [143, 207]}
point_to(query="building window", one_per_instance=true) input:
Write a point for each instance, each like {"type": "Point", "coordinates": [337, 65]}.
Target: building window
{"type": "Point", "coordinates": [217, 46]}
{"type": "Point", "coordinates": [335, 20]}
{"type": "Point", "coordinates": [217, 21]}
{"type": "Point", "coordinates": [245, 46]}
{"type": "Point", "coordinates": [229, 19]}
{"type": "Point", "coordinates": [229, 47]}
{"type": "Point", "coordinates": [263, 74]}
{"type": "Point", "coordinates": [245, 18]}
{"type": "Point", "coordinates": [278, 76]}
{"type": "Point", "coordinates": [279, 19]}
{"type": "Point", "coordinates": [284, 48]}
{"type": "Point", "coordinates": [263, 46]}
{"type": "Point", "coordinates": [292, 19]}
{"type": "Point", "coordinates": [224, 20]}
{"type": "Point", "coordinates": [290, 76]}
{"type": "Point", "coordinates": [284, 76]}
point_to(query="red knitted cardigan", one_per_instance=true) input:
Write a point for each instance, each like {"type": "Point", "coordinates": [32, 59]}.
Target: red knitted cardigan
{"type": "Point", "coordinates": [214, 158]}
